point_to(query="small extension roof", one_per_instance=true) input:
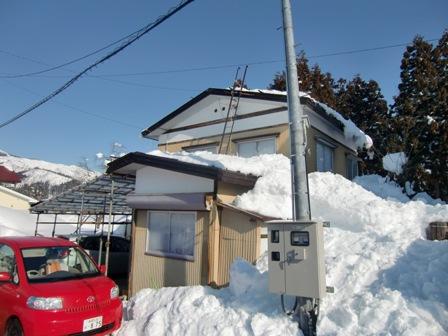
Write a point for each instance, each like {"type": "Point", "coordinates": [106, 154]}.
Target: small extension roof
{"type": "Point", "coordinates": [128, 165]}
{"type": "Point", "coordinates": [92, 197]}
{"type": "Point", "coordinates": [261, 95]}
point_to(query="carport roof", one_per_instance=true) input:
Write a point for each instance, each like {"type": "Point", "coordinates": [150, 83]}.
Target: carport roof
{"type": "Point", "coordinates": [92, 197]}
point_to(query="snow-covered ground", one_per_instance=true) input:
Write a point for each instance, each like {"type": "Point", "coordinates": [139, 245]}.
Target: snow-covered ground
{"type": "Point", "coordinates": [388, 279]}
{"type": "Point", "coordinates": [43, 171]}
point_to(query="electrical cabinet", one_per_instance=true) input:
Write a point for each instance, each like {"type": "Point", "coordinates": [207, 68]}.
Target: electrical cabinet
{"type": "Point", "coordinates": [296, 258]}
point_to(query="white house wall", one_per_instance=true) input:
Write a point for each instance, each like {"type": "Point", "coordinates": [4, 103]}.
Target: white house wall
{"type": "Point", "coordinates": [205, 114]}
{"type": "Point", "coordinates": [151, 180]}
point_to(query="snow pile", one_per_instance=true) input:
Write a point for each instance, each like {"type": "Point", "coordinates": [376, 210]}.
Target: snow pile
{"type": "Point", "coordinates": [245, 308]}
{"type": "Point", "coordinates": [43, 171]}
{"type": "Point", "coordinates": [388, 280]}
{"type": "Point", "coordinates": [385, 188]}
{"type": "Point", "coordinates": [394, 162]}
{"type": "Point", "coordinates": [351, 131]}
{"type": "Point", "coordinates": [15, 222]}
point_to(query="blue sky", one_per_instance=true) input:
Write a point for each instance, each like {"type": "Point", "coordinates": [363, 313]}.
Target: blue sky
{"type": "Point", "coordinates": [82, 120]}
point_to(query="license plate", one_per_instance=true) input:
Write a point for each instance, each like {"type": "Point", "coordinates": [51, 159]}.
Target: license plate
{"type": "Point", "coordinates": [92, 323]}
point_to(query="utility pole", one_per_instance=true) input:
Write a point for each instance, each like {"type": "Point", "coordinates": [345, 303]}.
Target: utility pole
{"type": "Point", "coordinates": [301, 207]}
{"type": "Point", "coordinates": [304, 308]}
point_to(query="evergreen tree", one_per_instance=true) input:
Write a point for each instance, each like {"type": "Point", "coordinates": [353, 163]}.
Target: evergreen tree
{"type": "Point", "coordinates": [364, 104]}
{"type": "Point", "coordinates": [318, 85]}
{"type": "Point", "coordinates": [420, 112]}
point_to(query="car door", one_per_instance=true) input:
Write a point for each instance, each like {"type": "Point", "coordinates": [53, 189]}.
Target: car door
{"type": "Point", "coordinates": [8, 290]}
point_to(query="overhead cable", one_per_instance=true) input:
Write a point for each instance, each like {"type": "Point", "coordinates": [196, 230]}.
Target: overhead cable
{"type": "Point", "coordinates": [137, 35]}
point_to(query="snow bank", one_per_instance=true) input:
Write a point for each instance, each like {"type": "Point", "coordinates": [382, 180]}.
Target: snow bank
{"type": "Point", "coordinates": [245, 308]}
{"type": "Point", "coordinates": [394, 162]}
{"type": "Point", "coordinates": [15, 222]}
{"type": "Point", "coordinates": [388, 280]}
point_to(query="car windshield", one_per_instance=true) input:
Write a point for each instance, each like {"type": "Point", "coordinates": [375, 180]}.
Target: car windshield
{"type": "Point", "coordinates": [47, 264]}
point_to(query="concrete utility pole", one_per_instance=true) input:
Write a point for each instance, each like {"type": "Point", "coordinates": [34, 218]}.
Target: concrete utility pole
{"type": "Point", "coordinates": [301, 206]}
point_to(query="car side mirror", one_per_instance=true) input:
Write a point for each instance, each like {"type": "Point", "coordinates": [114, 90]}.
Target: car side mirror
{"type": "Point", "coordinates": [5, 277]}
{"type": "Point", "coordinates": [103, 269]}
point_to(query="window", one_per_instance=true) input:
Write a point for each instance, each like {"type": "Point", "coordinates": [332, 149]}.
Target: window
{"type": "Point", "coordinates": [204, 148]}
{"type": "Point", "coordinates": [352, 167]}
{"type": "Point", "coordinates": [324, 157]}
{"type": "Point", "coordinates": [248, 148]}
{"type": "Point", "coordinates": [8, 262]}
{"type": "Point", "coordinates": [171, 234]}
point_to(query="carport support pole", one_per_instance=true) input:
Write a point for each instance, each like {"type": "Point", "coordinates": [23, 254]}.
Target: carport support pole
{"type": "Point", "coordinates": [300, 201]}
{"type": "Point", "coordinates": [109, 225]}
{"type": "Point", "coordinates": [37, 224]}
{"type": "Point", "coordinates": [54, 224]}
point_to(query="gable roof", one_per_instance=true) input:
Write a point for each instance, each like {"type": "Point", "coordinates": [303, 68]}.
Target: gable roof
{"type": "Point", "coordinates": [260, 95]}
{"type": "Point", "coordinates": [131, 162]}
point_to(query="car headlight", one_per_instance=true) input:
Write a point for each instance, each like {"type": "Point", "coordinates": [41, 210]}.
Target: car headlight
{"type": "Point", "coordinates": [44, 303]}
{"type": "Point", "coordinates": [114, 292]}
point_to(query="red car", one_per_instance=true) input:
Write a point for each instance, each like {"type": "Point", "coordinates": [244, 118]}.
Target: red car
{"type": "Point", "coordinates": [50, 286]}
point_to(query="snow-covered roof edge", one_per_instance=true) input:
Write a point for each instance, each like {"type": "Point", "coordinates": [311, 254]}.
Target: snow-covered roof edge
{"type": "Point", "coordinates": [18, 195]}
{"type": "Point", "coordinates": [351, 131]}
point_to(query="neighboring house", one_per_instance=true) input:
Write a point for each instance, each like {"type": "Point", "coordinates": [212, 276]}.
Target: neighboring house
{"type": "Point", "coordinates": [185, 230]}
{"type": "Point", "coordinates": [8, 176]}
{"type": "Point", "coordinates": [260, 127]}
{"type": "Point", "coordinates": [12, 199]}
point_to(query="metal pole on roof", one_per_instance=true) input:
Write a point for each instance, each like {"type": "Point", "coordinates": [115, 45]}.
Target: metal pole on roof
{"type": "Point", "coordinates": [54, 224]}
{"type": "Point", "coordinates": [109, 225]}
{"type": "Point", "coordinates": [37, 224]}
{"type": "Point", "coordinates": [301, 207]}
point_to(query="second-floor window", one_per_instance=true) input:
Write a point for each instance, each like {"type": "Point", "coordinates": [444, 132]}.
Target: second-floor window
{"type": "Point", "coordinates": [254, 147]}
{"type": "Point", "coordinates": [324, 156]}
{"type": "Point", "coordinates": [205, 148]}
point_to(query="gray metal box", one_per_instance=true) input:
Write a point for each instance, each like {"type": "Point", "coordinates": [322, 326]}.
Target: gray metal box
{"type": "Point", "coordinates": [296, 258]}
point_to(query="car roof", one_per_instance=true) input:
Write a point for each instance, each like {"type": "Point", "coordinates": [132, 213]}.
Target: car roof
{"type": "Point", "coordinates": [28, 242]}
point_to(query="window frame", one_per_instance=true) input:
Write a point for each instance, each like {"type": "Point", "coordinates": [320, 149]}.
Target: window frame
{"type": "Point", "coordinates": [329, 145]}
{"type": "Point", "coordinates": [196, 148]}
{"type": "Point", "coordinates": [255, 139]}
{"type": "Point", "coordinates": [170, 255]}
{"type": "Point", "coordinates": [355, 160]}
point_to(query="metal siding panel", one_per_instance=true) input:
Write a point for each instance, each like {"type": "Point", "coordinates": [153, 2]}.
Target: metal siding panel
{"type": "Point", "coordinates": [238, 239]}
{"type": "Point", "coordinates": [155, 272]}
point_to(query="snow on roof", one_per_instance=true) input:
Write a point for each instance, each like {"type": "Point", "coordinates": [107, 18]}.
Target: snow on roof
{"type": "Point", "coordinates": [351, 131]}
{"type": "Point", "coordinates": [271, 195]}
{"type": "Point", "coordinates": [18, 195]}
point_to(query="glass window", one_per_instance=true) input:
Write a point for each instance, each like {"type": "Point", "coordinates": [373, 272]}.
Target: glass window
{"type": "Point", "coordinates": [324, 157]}
{"type": "Point", "coordinates": [57, 263]}
{"type": "Point", "coordinates": [171, 233]}
{"type": "Point", "coordinates": [8, 262]}
{"type": "Point", "coordinates": [256, 147]}
{"type": "Point", "coordinates": [205, 148]}
{"type": "Point", "coordinates": [352, 167]}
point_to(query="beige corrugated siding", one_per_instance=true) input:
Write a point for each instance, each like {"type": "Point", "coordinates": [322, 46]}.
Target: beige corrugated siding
{"type": "Point", "coordinates": [238, 238]}
{"type": "Point", "coordinates": [155, 272]}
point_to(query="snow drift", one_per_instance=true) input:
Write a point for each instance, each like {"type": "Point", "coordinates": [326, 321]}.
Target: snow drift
{"type": "Point", "coordinates": [388, 279]}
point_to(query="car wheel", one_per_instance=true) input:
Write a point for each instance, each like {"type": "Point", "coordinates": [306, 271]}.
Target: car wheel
{"type": "Point", "coordinates": [14, 328]}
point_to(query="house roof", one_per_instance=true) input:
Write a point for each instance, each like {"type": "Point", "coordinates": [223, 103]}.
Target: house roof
{"type": "Point", "coordinates": [260, 95]}
{"type": "Point", "coordinates": [17, 195]}
{"type": "Point", "coordinates": [130, 163]}
{"type": "Point", "coordinates": [243, 211]}
{"type": "Point", "coordinates": [8, 176]}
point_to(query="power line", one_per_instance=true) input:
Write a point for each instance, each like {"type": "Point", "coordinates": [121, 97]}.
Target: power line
{"type": "Point", "coordinates": [137, 35]}
{"type": "Point", "coordinates": [216, 67]}
{"type": "Point", "coordinates": [73, 107]}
